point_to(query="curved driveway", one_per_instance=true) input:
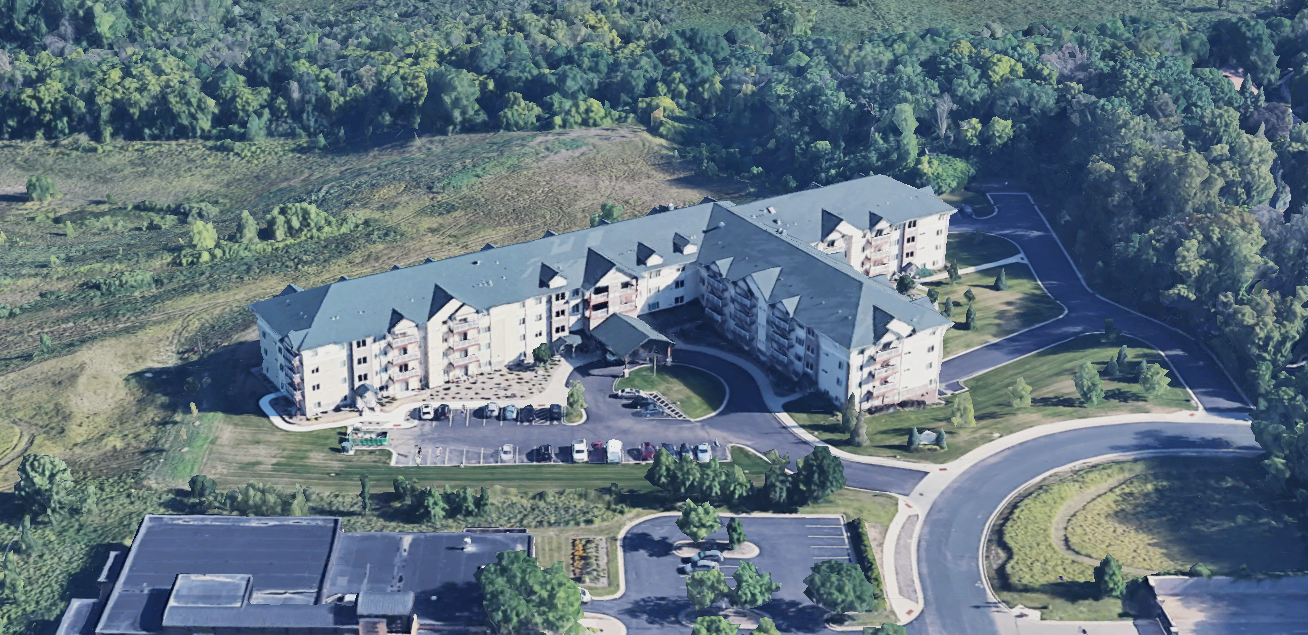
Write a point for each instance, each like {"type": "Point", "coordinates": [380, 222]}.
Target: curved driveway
{"type": "Point", "coordinates": [950, 542]}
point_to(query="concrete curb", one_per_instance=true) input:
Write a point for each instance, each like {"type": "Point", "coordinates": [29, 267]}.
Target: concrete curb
{"type": "Point", "coordinates": [905, 610]}
{"type": "Point", "coordinates": [1079, 465]}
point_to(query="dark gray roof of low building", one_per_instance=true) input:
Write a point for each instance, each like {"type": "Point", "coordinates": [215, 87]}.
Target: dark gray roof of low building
{"type": "Point", "coordinates": [292, 616]}
{"type": "Point", "coordinates": [385, 603]}
{"type": "Point", "coordinates": [623, 334]}
{"type": "Point", "coordinates": [351, 309]}
{"type": "Point", "coordinates": [79, 618]}
{"type": "Point", "coordinates": [284, 557]}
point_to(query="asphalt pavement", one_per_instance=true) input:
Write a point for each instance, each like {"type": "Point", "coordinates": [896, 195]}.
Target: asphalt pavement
{"type": "Point", "coordinates": [950, 542]}
{"type": "Point", "coordinates": [656, 594]}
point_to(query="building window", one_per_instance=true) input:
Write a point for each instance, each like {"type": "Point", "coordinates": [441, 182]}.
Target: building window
{"type": "Point", "coordinates": [840, 365]}
{"type": "Point", "coordinates": [540, 334]}
{"type": "Point", "coordinates": [679, 299]}
{"type": "Point", "coordinates": [600, 307]}
{"type": "Point", "coordinates": [361, 377]}
{"type": "Point", "coordinates": [342, 363]}
{"type": "Point", "coordinates": [361, 361]}
{"type": "Point", "coordinates": [540, 316]}
{"type": "Point", "coordinates": [317, 405]}
{"type": "Point", "coordinates": [486, 346]}
{"type": "Point", "coordinates": [839, 382]}
{"type": "Point", "coordinates": [931, 348]}
{"type": "Point", "coordinates": [576, 293]}
{"type": "Point", "coordinates": [680, 284]}
{"type": "Point", "coordinates": [601, 290]}
{"type": "Point", "coordinates": [559, 297]}
{"type": "Point", "coordinates": [560, 329]}
{"type": "Point", "coordinates": [879, 233]}
{"type": "Point", "coordinates": [576, 309]}
{"type": "Point", "coordinates": [315, 387]}
{"type": "Point", "coordinates": [942, 216]}
{"type": "Point", "coordinates": [653, 306]}
{"type": "Point", "coordinates": [560, 313]}
{"type": "Point", "coordinates": [626, 285]}
{"type": "Point", "coordinates": [911, 239]}
{"type": "Point", "coordinates": [522, 338]}
{"type": "Point", "coordinates": [681, 269]}
{"type": "Point", "coordinates": [361, 343]}
{"type": "Point", "coordinates": [909, 254]}
{"type": "Point", "coordinates": [314, 371]}
{"type": "Point", "coordinates": [931, 365]}
{"type": "Point", "coordinates": [912, 223]}
{"type": "Point", "coordinates": [939, 232]}
{"type": "Point", "coordinates": [342, 380]}
{"type": "Point", "coordinates": [831, 243]}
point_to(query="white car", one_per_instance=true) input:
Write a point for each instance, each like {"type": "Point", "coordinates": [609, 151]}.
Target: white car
{"type": "Point", "coordinates": [427, 412]}
{"type": "Point", "coordinates": [579, 451]}
{"type": "Point", "coordinates": [506, 453]}
{"type": "Point", "coordinates": [492, 409]}
{"type": "Point", "coordinates": [585, 595]}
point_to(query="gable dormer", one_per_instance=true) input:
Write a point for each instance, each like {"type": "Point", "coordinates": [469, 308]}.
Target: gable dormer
{"type": "Point", "coordinates": [683, 244]}
{"type": "Point", "coordinates": [550, 278]}
{"type": "Point", "coordinates": [646, 256]}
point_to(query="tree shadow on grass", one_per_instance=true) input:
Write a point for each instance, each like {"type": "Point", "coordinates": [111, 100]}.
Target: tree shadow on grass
{"type": "Point", "coordinates": [1124, 396]}
{"type": "Point", "coordinates": [1057, 402]}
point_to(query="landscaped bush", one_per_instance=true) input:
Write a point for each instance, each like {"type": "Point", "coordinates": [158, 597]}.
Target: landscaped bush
{"type": "Point", "coordinates": [866, 557]}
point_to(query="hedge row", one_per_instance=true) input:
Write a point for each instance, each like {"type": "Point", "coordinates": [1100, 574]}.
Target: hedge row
{"type": "Point", "coordinates": [866, 558]}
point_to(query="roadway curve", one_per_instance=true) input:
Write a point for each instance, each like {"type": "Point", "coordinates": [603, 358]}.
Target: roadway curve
{"type": "Point", "coordinates": [950, 542]}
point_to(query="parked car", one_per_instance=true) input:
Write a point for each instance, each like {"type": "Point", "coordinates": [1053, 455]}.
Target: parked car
{"type": "Point", "coordinates": [691, 567]}
{"type": "Point", "coordinates": [556, 412]}
{"type": "Point", "coordinates": [684, 450]}
{"type": "Point", "coordinates": [545, 453]}
{"type": "Point", "coordinates": [506, 453]}
{"type": "Point", "coordinates": [613, 451]}
{"type": "Point", "coordinates": [630, 393]}
{"type": "Point", "coordinates": [642, 401]}
{"type": "Point", "coordinates": [598, 449]}
{"type": "Point", "coordinates": [492, 409]}
{"type": "Point", "coordinates": [579, 451]}
{"type": "Point", "coordinates": [703, 453]}
{"type": "Point", "coordinates": [426, 412]}
{"type": "Point", "coordinates": [647, 451]}
{"type": "Point", "coordinates": [510, 413]}
{"type": "Point", "coordinates": [585, 595]}
{"type": "Point", "coordinates": [710, 556]}
{"type": "Point", "coordinates": [443, 412]}
{"type": "Point", "coordinates": [672, 449]}
{"type": "Point", "coordinates": [649, 411]}
{"type": "Point", "coordinates": [527, 414]}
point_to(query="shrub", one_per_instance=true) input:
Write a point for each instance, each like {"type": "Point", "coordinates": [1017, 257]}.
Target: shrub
{"type": "Point", "coordinates": [864, 556]}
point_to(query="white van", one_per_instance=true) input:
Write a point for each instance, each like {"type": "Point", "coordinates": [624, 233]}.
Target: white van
{"type": "Point", "coordinates": [614, 450]}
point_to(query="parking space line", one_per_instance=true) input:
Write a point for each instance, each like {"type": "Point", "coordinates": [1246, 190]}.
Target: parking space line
{"type": "Point", "coordinates": [828, 546]}
{"type": "Point", "coordinates": [827, 557]}
{"type": "Point", "coordinates": [831, 536]}
{"type": "Point", "coordinates": [821, 525]}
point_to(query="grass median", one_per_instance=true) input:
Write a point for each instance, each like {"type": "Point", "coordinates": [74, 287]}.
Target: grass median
{"type": "Point", "coordinates": [998, 313]}
{"type": "Point", "coordinates": [973, 249]}
{"type": "Point", "coordinates": [697, 393]}
{"type": "Point", "coordinates": [1053, 398]}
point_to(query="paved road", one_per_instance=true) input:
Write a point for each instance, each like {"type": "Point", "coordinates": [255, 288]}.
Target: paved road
{"type": "Point", "coordinates": [656, 594]}
{"type": "Point", "coordinates": [1019, 221]}
{"type": "Point", "coordinates": [949, 546]}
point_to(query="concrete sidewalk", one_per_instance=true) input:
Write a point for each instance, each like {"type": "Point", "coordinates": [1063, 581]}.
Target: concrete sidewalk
{"type": "Point", "coordinates": [1020, 257]}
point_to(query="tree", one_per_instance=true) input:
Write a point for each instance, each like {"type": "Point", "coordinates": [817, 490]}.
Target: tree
{"type": "Point", "coordinates": [713, 625]}
{"type": "Point", "coordinates": [257, 499]}
{"type": "Point", "coordinates": [947, 308]}
{"type": "Point", "coordinates": [69, 232]}
{"type": "Point", "coordinates": [704, 588]}
{"type": "Point", "coordinates": [698, 521]}
{"type": "Point", "coordinates": [711, 477]}
{"type": "Point", "coordinates": [1088, 384]}
{"type": "Point", "coordinates": [40, 188]}
{"type": "Point", "coordinates": [969, 295]}
{"type": "Point", "coordinates": [542, 353]}
{"type": "Point", "coordinates": [429, 505]}
{"type": "Point", "coordinates": [1154, 379]}
{"type": "Point", "coordinates": [520, 598]}
{"type": "Point", "coordinates": [202, 487]}
{"type": "Point", "coordinates": [299, 503]}
{"type": "Point", "coordinates": [914, 440]}
{"type": "Point", "coordinates": [203, 235]}
{"type": "Point", "coordinates": [662, 471]}
{"type": "Point", "coordinates": [26, 540]}
{"type": "Point", "coordinates": [735, 533]}
{"type": "Point", "coordinates": [788, 19]}
{"type": "Point", "coordinates": [952, 269]}
{"type": "Point", "coordinates": [997, 131]}
{"type": "Point", "coordinates": [753, 588]}
{"type": "Point", "coordinates": [45, 485]}
{"type": "Point", "coordinates": [685, 477]}
{"type": "Point", "coordinates": [962, 413]}
{"type": "Point", "coordinates": [840, 587]}
{"type": "Point", "coordinates": [576, 396]}
{"type": "Point", "coordinates": [776, 486]}
{"type": "Point", "coordinates": [1109, 582]}
{"type": "Point", "coordinates": [766, 627]}
{"type": "Point", "coordinates": [858, 438]}
{"type": "Point", "coordinates": [1110, 332]}
{"type": "Point", "coordinates": [247, 231]}
{"type": "Point", "coordinates": [849, 414]}
{"type": "Point", "coordinates": [737, 487]}
{"type": "Point", "coordinates": [15, 588]}
{"type": "Point", "coordinates": [610, 212]}
{"type": "Point", "coordinates": [933, 294]}
{"type": "Point", "coordinates": [47, 344]}
{"type": "Point", "coordinates": [905, 283]}
{"type": "Point", "coordinates": [1019, 394]}
{"type": "Point", "coordinates": [940, 440]}
{"type": "Point", "coordinates": [1121, 358]}
{"type": "Point", "coordinates": [1001, 282]}
{"type": "Point", "coordinates": [1200, 570]}
{"type": "Point", "coordinates": [255, 129]}
{"type": "Point", "coordinates": [365, 491]}
{"type": "Point", "coordinates": [820, 475]}
{"type": "Point", "coordinates": [970, 321]}
{"type": "Point", "coordinates": [1111, 368]}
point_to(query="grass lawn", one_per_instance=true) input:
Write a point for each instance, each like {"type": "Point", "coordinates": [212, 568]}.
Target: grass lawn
{"type": "Point", "coordinates": [972, 249]}
{"type": "Point", "coordinates": [1152, 515]}
{"type": "Point", "coordinates": [998, 313]}
{"type": "Point", "coordinates": [696, 392]}
{"type": "Point", "coordinates": [1054, 398]}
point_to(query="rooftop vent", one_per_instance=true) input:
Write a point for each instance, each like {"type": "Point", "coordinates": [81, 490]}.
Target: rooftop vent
{"type": "Point", "coordinates": [772, 210]}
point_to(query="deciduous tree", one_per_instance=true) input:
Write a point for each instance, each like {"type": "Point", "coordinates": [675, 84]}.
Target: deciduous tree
{"type": "Point", "coordinates": [705, 588]}
{"type": "Point", "coordinates": [521, 598]}
{"type": "Point", "coordinates": [753, 587]}
{"type": "Point", "coordinates": [962, 413]}
{"type": "Point", "coordinates": [735, 533]}
{"type": "Point", "coordinates": [1019, 394]}
{"type": "Point", "coordinates": [45, 485]}
{"type": "Point", "coordinates": [840, 587]}
{"type": "Point", "coordinates": [1154, 380]}
{"type": "Point", "coordinates": [698, 521]}
{"type": "Point", "coordinates": [1109, 582]}
{"type": "Point", "coordinates": [1088, 384]}
{"type": "Point", "coordinates": [820, 475]}
{"type": "Point", "coordinates": [713, 625]}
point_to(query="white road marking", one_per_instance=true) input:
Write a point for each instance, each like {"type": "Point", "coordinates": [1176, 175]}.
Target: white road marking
{"type": "Point", "coordinates": [832, 536]}
{"type": "Point", "coordinates": [827, 547]}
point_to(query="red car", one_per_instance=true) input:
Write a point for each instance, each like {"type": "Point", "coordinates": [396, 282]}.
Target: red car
{"type": "Point", "coordinates": [647, 451]}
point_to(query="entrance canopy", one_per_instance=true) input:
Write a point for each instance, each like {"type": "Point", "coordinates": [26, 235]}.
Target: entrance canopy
{"type": "Point", "coordinates": [623, 335]}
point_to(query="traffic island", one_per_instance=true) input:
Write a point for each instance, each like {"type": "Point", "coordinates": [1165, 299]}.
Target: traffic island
{"type": "Point", "coordinates": [744, 551]}
{"type": "Point", "coordinates": [743, 618]}
{"type": "Point", "coordinates": [697, 393]}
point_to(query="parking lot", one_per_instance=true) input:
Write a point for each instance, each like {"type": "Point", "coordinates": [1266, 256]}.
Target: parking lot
{"type": "Point", "coordinates": [469, 437]}
{"type": "Point", "coordinates": [656, 593]}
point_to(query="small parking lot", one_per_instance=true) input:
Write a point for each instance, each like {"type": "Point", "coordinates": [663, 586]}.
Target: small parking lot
{"type": "Point", "coordinates": [656, 593]}
{"type": "Point", "coordinates": [469, 437]}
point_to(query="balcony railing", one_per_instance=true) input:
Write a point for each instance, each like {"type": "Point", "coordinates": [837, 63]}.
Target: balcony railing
{"type": "Point", "coordinates": [458, 343]}
{"type": "Point", "coordinates": [599, 297]}
{"type": "Point", "coordinates": [464, 360]}
{"type": "Point", "coordinates": [398, 359]}
{"type": "Point", "coordinates": [397, 341]}
{"type": "Point", "coordinates": [457, 326]}
{"type": "Point", "coordinates": [405, 374]}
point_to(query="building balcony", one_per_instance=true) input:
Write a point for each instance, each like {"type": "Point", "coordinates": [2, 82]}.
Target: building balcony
{"type": "Point", "coordinates": [397, 341]}
{"type": "Point", "coordinates": [716, 317]}
{"type": "Point", "coordinates": [459, 326]}
{"type": "Point", "coordinates": [405, 374]}
{"type": "Point", "coordinates": [459, 344]}
{"type": "Point", "coordinates": [405, 357]}
{"type": "Point", "coordinates": [297, 380]}
{"type": "Point", "coordinates": [599, 297]}
{"type": "Point", "coordinates": [741, 333]}
{"type": "Point", "coordinates": [464, 360]}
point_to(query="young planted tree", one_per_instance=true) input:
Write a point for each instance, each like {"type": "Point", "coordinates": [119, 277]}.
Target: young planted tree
{"type": "Point", "coordinates": [1122, 358]}
{"type": "Point", "coordinates": [47, 344]}
{"type": "Point", "coordinates": [969, 321]}
{"type": "Point", "coordinates": [969, 295]}
{"type": "Point", "coordinates": [820, 475]}
{"type": "Point", "coordinates": [520, 598]}
{"type": "Point", "coordinates": [1088, 384]}
{"type": "Point", "coordinates": [576, 396]}
{"type": "Point", "coordinates": [947, 308]}
{"type": "Point", "coordinates": [41, 188]}
{"type": "Point", "coordinates": [1019, 394]}
{"type": "Point", "coordinates": [1154, 380]}
{"type": "Point", "coordinates": [735, 533]}
{"type": "Point", "coordinates": [859, 437]}
{"type": "Point", "coordinates": [541, 353]}
{"type": "Point", "coordinates": [753, 587]}
{"type": "Point", "coordinates": [962, 414]}
{"type": "Point", "coordinates": [365, 491]}
{"type": "Point", "coordinates": [1001, 282]}
{"type": "Point", "coordinates": [1111, 369]}
{"type": "Point", "coordinates": [247, 231]}
{"type": "Point", "coordinates": [1109, 582]}
{"type": "Point", "coordinates": [952, 270]}
{"type": "Point", "coordinates": [840, 587]}
{"type": "Point", "coordinates": [849, 414]}
{"type": "Point", "coordinates": [713, 625]}
{"type": "Point", "coordinates": [905, 283]}
{"type": "Point", "coordinates": [698, 521]}
{"type": "Point", "coordinates": [705, 588]}
{"type": "Point", "coordinates": [914, 442]}
{"type": "Point", "coordinates": [940, 440]}
{"type": "Point", "coordinates": [933, 294]}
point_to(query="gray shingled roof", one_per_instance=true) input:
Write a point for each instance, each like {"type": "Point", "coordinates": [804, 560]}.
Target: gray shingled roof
{"type": "Point", "coordinates": [623, 334]}
{"type": "Point", "coordinates": [362, 307]}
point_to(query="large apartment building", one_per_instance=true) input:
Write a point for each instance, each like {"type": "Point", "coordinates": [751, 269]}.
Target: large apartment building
{"type": "Point", "coordinates": [803, 281]}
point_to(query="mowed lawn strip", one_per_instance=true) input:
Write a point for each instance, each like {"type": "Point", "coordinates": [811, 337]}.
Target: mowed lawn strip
{"type": "Point", "coordinates": [695, 392]}
{"type": "Point", "coordinates": [1054, 398]}
{"type": "Point", "coordinates": [998, 313]}
{"type": "Point", "coordinates": [973, 249]}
